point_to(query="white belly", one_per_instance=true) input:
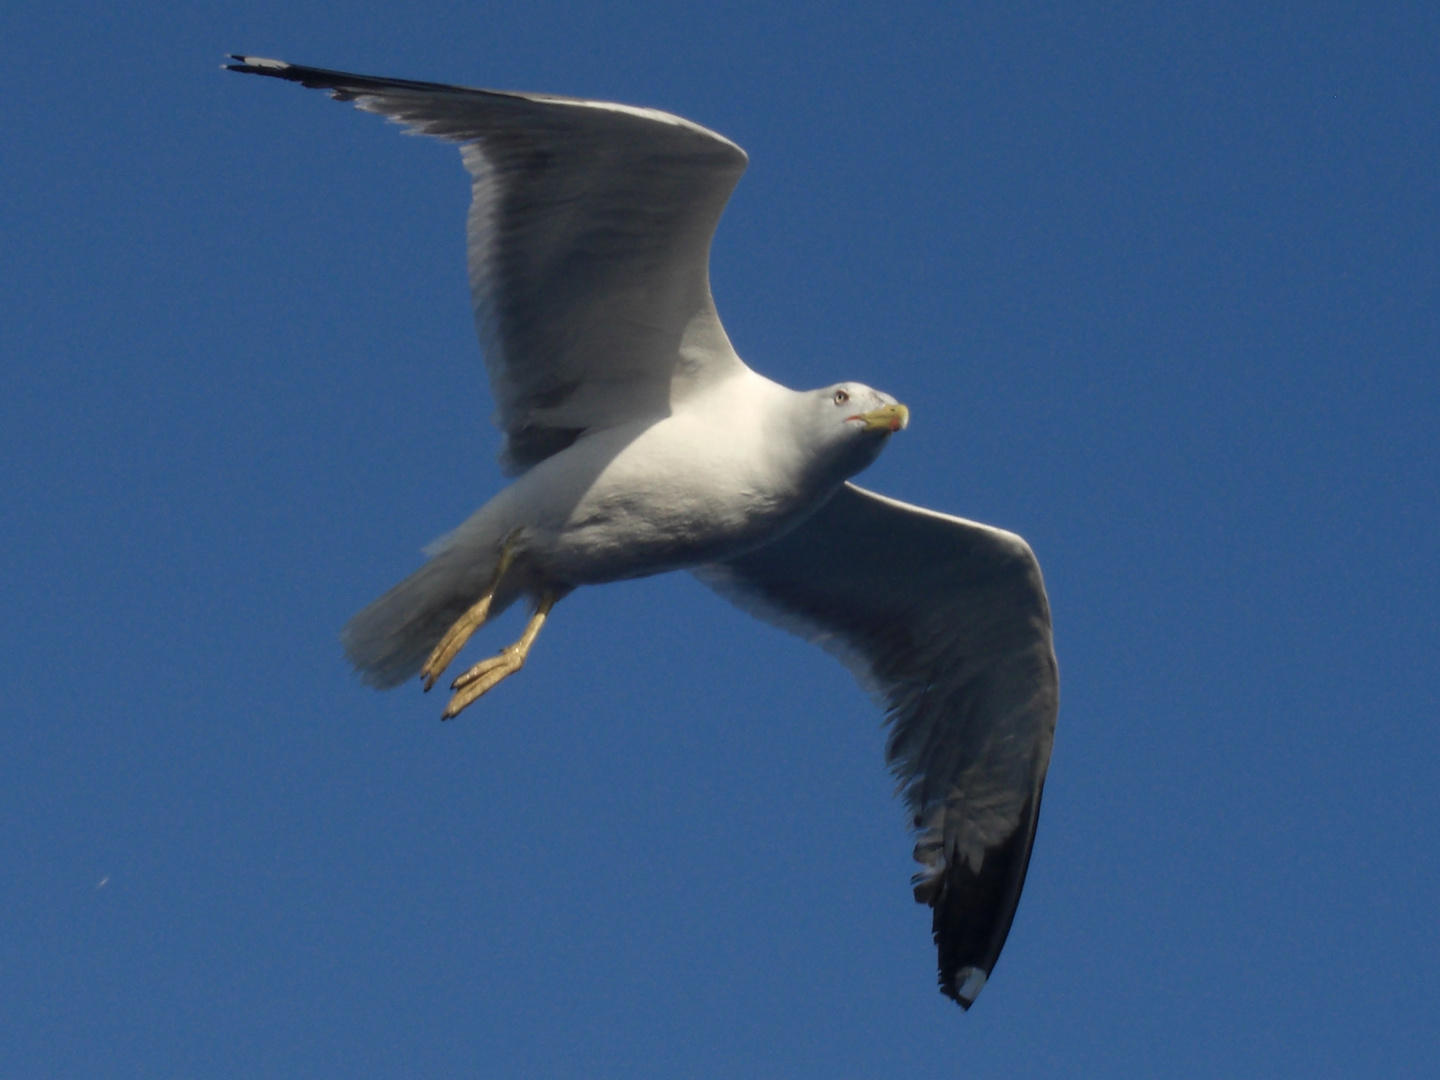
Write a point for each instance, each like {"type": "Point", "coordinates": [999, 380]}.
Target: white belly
{"type": "Point", "coordinates": [723, 473]}
{"type": "Point", "coordinates": [631, 502]}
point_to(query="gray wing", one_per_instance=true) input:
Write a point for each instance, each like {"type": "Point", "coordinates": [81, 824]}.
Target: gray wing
{"type": "Point", "coordinates": [589, 246]}
{"type": "Point", "coordinates": [947, 621]}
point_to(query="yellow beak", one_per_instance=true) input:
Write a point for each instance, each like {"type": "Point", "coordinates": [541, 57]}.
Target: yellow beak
{"type": "Point", "coordinates": [886, 418]}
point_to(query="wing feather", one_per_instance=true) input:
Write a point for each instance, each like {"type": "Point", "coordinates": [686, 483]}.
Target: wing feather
{"type": "Point", "coordinates": [589, 244]}
{"type": "Point", "coordinates": [947, 622]}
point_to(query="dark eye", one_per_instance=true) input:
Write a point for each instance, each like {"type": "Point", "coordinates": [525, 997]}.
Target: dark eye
{"type": "Point", "coordinates": [841, 397]}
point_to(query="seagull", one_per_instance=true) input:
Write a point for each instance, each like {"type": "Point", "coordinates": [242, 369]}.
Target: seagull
{"type": "Point", "coordinates": [640, 443]}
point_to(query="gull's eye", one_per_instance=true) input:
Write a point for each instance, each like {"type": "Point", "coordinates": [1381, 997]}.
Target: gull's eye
{"type": "Point", "coordinates": [841, 397]}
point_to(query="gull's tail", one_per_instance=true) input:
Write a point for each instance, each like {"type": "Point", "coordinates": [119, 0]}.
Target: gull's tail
{"type": "Point", "coordinates": [390, 639]}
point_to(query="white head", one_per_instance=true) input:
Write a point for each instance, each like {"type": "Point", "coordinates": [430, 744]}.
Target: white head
{"type": "Point", "coordinates": [848, 424]}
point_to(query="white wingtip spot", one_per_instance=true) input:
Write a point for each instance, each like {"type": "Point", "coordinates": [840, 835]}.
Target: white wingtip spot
{"type": "Point", "coordinates": [261, 62]}
{"type": "Point", "coordinates": [974, 982]}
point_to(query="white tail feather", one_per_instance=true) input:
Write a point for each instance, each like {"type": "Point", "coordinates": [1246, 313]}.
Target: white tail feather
{"type": "Point", "coordinates": [390, 639]}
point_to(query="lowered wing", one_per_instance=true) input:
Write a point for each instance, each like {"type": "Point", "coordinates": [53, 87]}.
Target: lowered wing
{"type": "Point", "coordinates": [948, 622]}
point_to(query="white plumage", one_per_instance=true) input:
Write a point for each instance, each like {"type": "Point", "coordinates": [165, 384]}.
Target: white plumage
{"type": "Point", "coordinates": [642, 443]}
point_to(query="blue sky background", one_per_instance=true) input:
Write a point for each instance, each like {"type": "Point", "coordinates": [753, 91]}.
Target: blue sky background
{"type": "Point", "coordinates": [1159, 282]}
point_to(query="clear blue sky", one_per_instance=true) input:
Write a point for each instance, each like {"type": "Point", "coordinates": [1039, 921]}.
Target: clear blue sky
{"type": "Point", "coordinates": [1160, 284]}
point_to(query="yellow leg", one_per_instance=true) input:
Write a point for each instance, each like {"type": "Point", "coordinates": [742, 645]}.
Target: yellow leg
{"type": "Point", "coordinates": [458, 634]}
{"type": "Point", "coordinates": [486, 675]}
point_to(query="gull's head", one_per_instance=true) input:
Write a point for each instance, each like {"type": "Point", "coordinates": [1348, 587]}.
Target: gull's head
{"type": "Point", "coordinates": [852, 423]}
{"type": "Point", "coordinates": [865, 411]}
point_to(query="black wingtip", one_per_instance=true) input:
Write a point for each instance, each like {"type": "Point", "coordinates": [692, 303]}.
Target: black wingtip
{"type": "Point", "coordinates": [343, 85]}
{"type": "Point", "coordinates": [950, 992]}
{"type": "Point", "coordinates": [259, 65]}
{"type": "Point", "coordinates": [963, 986]}
{"type": "Point", "coordinates": [973, 910]}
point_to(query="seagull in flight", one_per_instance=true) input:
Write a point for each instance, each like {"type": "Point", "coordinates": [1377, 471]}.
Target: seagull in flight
{"type": "Point", "coordinates": [639, 443]}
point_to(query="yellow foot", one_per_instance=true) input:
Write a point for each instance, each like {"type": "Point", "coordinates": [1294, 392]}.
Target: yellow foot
{"type": "Point", "coordinates": [480, 680]}
{"type": "Point", "coordinates": [458, 634]}
{"type": "Point", "coordinates": [486, 675]}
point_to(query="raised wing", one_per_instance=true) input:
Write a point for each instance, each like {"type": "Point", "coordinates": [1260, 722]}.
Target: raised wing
{"type": "Point", "coordinates": [589, 247]}
{"type": "Point", "coordinates": [947, 621]}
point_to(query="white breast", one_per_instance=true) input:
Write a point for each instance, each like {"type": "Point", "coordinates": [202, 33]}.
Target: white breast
{"type": "Point", "coordinates": [717, 477]}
